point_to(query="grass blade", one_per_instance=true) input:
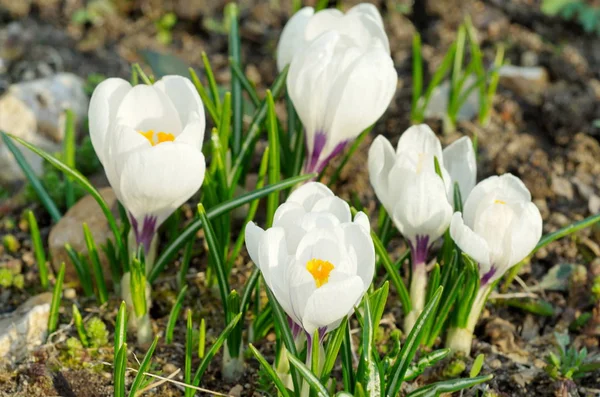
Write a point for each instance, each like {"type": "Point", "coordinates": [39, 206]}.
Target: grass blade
{"type": "Point", "coordinates": [82, 271]}
{"type": "Point", "coordinates": [139, 377]}
{"type": "Point", "coordinates": [246, 84]}
{"type": "Point", "coordinates": [78, 321]}
{"type": "Point", "coordinates": [208, 103]}
{"type": "Point", "coordinates": [270, 371]}
{"type": "Point", "coordinates": [392, 273]}
{"type": "Point", "coordinates": [174, 315]}
{"type": "Point", "coordinates": [201, 339]}
{"type": "Point", "coordinates": [56, 299]}
{"type": "Point", "coordinates": [212, 83]}
{"type": "Point", "coordinates": [214, 350]}
{"type": "Point", "coordinates": [334, 344]}
{"type": "Point", "coordinates": [120, 366]}
{"type": "Point", "coordinates": [308, 376]}
{"type": "Point", "coordinates": [120, 328]}
{"type": "Point", "coordinates": [417, 77]}
{"type": "Point", "coordinates": [69, 155]}
{"type": "Point", "coordinates": [96, 266]}
{"type": "Point", "coordinates": [449, 386]}
{"type": "Point", "coordinates": [47, 202]}
{"type": "Point", "coordinates": [38, 249]}
{"type": "Point", "coordinates": [189, 343]}
{"type": "Point", "coordinates": [190, 231]}
{"type": "Point", "coordinates": [231, 12]}
{"type": "Point", "coordinates": [410, 347]}
{"type": "Point", "coordinates": [274, 158]}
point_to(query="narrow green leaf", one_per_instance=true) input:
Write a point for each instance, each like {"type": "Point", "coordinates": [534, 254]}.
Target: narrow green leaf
{"type": "Point", "coordinates": [223, 208]}
{"type": "Point", "coordinates": [392, 273]}
{"type": "Point", "coordinates": [212, 83]}
{"type": "Point", "coordinates": [189, 344]}
{"type": "Point", "coordinates": [436, 79]}
{"type": "Point", "coordinates": [214, 350]}
{"type": "Point", "coordinates": [246, 84]}
{"type": "Point", "coordinates": [77, 177]}
{"type": "Point", "coordinates": [96, 266]}
{"type": "Point", "coordinates": [334, 344]}
{"type": "Point", "coordinates": [140, 377]}
{"type": "Point", "coordinates": [69, 155]}
{"type": "Point", "coordinates": [38, 249]}
{"type": "Point", "coordinates": [426, 361]}
{"type": "Point", "coordinates": [119, 375]}
{"type": "Point", "coordinates": [201, 338]}
{"type": "Point", "coordinates": [225, 126]}
{"type": "Point", "coordinates": [274, 160]}
{"type": "Point", "coordinates": [141, 74]}
{"type": "Point", "coordinates": [269, 370]}
{"type": "Point", "coordinates": [120, 328]}
{"type": "Point", "coordinates": [78, 321]}
{"type": "Point", "coordinates": [477, 365]}
{"type": "Point", "coordinates": [174, 315]}
{"type": "Point", "coordinates": [82, 271]}
{"type": "Point", "coordinates": [411, 344]}
{"type": "Point", "coordinates": [45, 198]}
{"type": "Point", "coordinates": [206, 100]}
{"type": "Point", "coordinates": [232, 14]}
{"type": "Point", "coordinates": [56, 299]}
{"type": "Point", "coordinates": [417, 77]}
{"type": "Point", "coordinates": [137, 283]}
{"type": "Point", "coordinates": [347, 369]}
{"type": "Point", "coordinates": [449, 386]}
{"type": "Point", "coordinates": [215, 252]}
{"type": "Point", "coordinates": [185, 264]}
{"type": "Point", "coordinates": [308, 376]}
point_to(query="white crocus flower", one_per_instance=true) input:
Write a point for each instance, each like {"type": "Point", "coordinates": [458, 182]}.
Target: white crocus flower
{"type": "Point", "coordinates": [339, 88]}
{"type": "Point", "coordinates": [459, 161]}
{"type": "Point", "coordinates": [362, 22]}
{"type": "Point", "coordinates": [499, 227]}
{"type": "Point", "coordinates": [415, 197]}
{"type": "Point", "coordinates": [316, 260]}
{"type": "Point", "coordinates": [149, 140]}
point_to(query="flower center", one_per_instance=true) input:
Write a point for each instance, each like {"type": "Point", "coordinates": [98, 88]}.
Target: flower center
{"type": "Point", "coordinates": [499, 202]}
{"type": "Point", "coordinates": [160, 137]}
{"type": "Point", "coordinates": [320, 270]}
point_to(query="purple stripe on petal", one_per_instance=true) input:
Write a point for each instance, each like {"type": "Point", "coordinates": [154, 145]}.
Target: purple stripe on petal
{"type": "Point", "coordinates": [485, 279]}
{"type": "Point", "coordinates": [419, 250]}
{"type": "Point", "coordinates": [312, 160]}
{"type": "Point", "coordinates": [144, 235]}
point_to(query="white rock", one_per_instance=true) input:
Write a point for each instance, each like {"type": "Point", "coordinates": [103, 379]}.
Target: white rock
{"type": "Point", "coordinates": [438, 103]}
{"type": "Point", "coordinates": [24, 329]}
{"type": "Point", "coordinates": [34, 111]}
{"type": "Point", "coordinates": [524, 80]}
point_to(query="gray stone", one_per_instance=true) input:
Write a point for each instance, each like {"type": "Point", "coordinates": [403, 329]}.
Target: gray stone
{"type": "Point", "coordinates": [24, 329]}
{"type": "Point", "coordinates": [34, 111]}
{"type": "Point", "coordinates": [562, 187]}
{"type": "Point", "coordinates": [526, 81]}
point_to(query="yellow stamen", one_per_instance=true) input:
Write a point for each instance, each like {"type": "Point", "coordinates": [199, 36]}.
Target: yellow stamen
{"type": "Point", "coordinates": [499, 202]}
{"type": "Point", "coordinates": [320, 270]}
{"type": "Point", "coordinates": [165, 137]}
{"type": "Point", "coordinates": [160, 137]}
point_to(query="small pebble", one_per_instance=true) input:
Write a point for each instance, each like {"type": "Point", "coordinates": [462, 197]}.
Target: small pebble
{"type": "Point", "coordinates": [495, 364]}
{"type": "Point", "coordinates": [169, 368]}
{"type": "Point", "coordinates": [70, 293]}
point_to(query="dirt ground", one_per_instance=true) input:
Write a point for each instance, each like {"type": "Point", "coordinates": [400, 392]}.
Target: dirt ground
{"type": "Point", "coordinates": [547, 135]}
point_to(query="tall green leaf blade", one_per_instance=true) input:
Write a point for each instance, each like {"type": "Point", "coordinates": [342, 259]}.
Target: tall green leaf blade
{"type": "Point", "coordinates": [308, 376]}
{"type": "Point", "coordinates": [270, 372]}
{"type": "Point", "coordinates": [139, 377]}
{"type": "Point", "coordinates": [449, 386]}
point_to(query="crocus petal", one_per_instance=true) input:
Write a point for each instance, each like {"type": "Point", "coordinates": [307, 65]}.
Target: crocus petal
{"type": "Point", "coordinates": [104, 104]}
{"type": "Point", "coordinates": [360, 95]}
{"type": "Point", "coordinates": [422, 208]}
{"type": "Point", "coordinates": [420, 139]}
{"type": "Point", "coordinates": [363, 220]}
{"type": "Point", "coordinates": [193, 131]}
{"type": "Point", "coordinates": [525, 233]}
{"type": "Point", "coordinates": [147, 108]}
{"type": "Point", "coordinates": [253, 235]}
{"type": "Point", "coordinates": [157, 180]}
{"type": "Point", "coordinates": [470, 242]}
{"type": "Point", "coordinates": [334, 205]}
{"type": "Point", "coordinates": [359, 247]}
{"type": "Point", "coordinates": [459, 161]}
{"type": "Point", "coordinates": [184, 97]}
{"type": "Point", "coordinates": [331, 302]}
{"type": "Point", "coordinates": [292, 37]}
{"type": "Point", "coordinates": [372, 21]}
{"type": "Point", "coordinates": [381, 160]}
{"type": "Point", "coordinates": [309, 194]}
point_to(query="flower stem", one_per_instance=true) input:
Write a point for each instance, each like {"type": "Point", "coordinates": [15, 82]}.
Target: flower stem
{"type": "Point", "coordinates": [418, 288]}
{"type": "Point", "coordinates": [459, 338]}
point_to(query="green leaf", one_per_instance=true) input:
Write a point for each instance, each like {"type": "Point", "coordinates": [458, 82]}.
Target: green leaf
{"type": "Point", "coordinates": [78, 321]}
{"type": "Point", "coordinates": [232, 14]}
{"type": "Point", "coordinates": [206, 100]}
{"type": "Point", "coordinates": [84, 183]}
{"type": "Point", "coordinates": [175, 310]}
{"type": "Point", "coordinates": [212, 83]}
{"type": "Point", "coordinates": [334, 343]}
{"type": "Point", "coordinates": [223, 208]}
{"type": "Point", "coordinates": [119, 375]}
{"type": "Point", "coordinates": [448, 386]}
{"type": "Point", "coordinates": [368, 373]}
{"type": "Point", "coordinates": [477, 365]}
{"type": "Point", "coordinates": [411, 344]}
{"type": "Point", "coordinates": [426, 361]}
{"type": "Point", "coordinates": [140, 377]}
{"type": "Point", "coordinates": [38, 249]}
{"type": "Point", "coordinates": [96, 266]}
{"type": "Point", "coordinates": [82, 269]}
{"type": "Point", "coordinates": [214, 350]}
{"type": "Point", "coordinates": [56, 299]}
{"type": "Point", "coordinates": [246, 84]}
{"type": "Point", "coordinates": [69, 155]}
{"type": "Point", "coordinates": [47, 202]}
{"type": "Point", "coordinates": [417, 77]}
{"type": "Point", "coordinates": [189, 344]}
{"type": "Point", "coordinates": [392, 273]}
{"type": "Point", "coordinates": [269, 371]}
{"type": "Point", "coordinates": [274, 160]}
{"type": "Point", "coordinates": [308, 376]}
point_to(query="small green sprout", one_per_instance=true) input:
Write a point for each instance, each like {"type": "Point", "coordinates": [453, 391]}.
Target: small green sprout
{"type": "Point", "coordinates": [11, 243]}
{"type": "Point", "coordinates": [97, 332]}
{"type": "Point", "coordinates": [6, 278]}
{"type": "Point", "coordinates": [569, 363]}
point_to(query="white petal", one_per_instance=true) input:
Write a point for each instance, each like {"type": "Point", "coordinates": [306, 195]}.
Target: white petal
{"type": "Point", "coordinates": [420, 139]}
{"type": "Point", "coordinates": [470, 243]}
{"type": "Point", "coordinates": [381, 160]}
{"type": "Point", "coordinates": [359, 246]}
{"type": "Point", "coordinates": [193, 131]}
{"type": "Point", "coordinates": [147, 108]}
{"type": "Point", "coordinates": [372, 21]}
{"type": "Point", "coordinates": [360, 95]}
{"type": "Point", "coordinates": [157, 180]}
{"type": "Point", "coordinates": [309, 194]}
{"type": "Point", "coordinates": [253, 236]}
{"type": "Point", "coordinates": [321, 244]}
{"type": "Point", "coordinates": [363, 220]}
{"type": "Point", "coordinates": [105, 102]}
{"type": "Point", "coordinates": [526, 231]}
{"type": "Point", "coordinates": [289, 217]}
{"type": "Point", "coordinates": [272, 256]}
{"type": "Point", "coordinates": [184, 97]}
{"type": "Point", "coordinates": [335, 206]}
{"type": "Point", "coordinates": [301, 285]}
{"type": "Point", "coordinates": [332, 302]}
{"type": "Point", "coordinates": [422, 207]}
{"type": "Point", "coordinates": [292, 39]}
{"type": "Point", "coordinates": [459, 161]}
